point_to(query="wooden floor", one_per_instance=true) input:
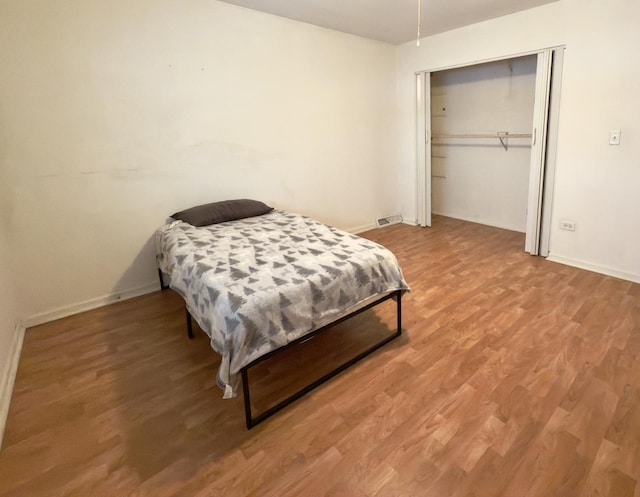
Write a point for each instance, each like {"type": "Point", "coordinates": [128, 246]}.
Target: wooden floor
{"type": "Point", "coordinates": [515, 377]}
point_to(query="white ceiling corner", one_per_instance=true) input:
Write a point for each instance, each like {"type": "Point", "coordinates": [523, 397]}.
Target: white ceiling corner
{"type": "Point", "coordinates": [390, 21]}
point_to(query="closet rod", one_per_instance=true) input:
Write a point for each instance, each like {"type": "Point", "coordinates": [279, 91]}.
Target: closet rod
{"type": "Point", "coordinates": [482, 135]}
{"type": "Point", "coordinates": [503, 136]}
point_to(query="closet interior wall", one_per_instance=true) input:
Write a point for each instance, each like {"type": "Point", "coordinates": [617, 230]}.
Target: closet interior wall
{"type": "Point", "coordinates": [474, 178]}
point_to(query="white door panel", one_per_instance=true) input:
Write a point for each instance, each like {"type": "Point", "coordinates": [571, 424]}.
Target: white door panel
{"type": "Point", "coordinates": [538, 144]}
{"type": "Point", "coordinates": [423, 141]}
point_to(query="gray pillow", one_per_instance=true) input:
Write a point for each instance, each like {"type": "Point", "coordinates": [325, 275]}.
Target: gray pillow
{"type": "Point", "coordinates": [220, 212]}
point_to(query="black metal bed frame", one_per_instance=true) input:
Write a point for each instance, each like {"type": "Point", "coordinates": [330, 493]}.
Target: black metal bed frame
{"type": "Point", "coordinates": [251, 420]}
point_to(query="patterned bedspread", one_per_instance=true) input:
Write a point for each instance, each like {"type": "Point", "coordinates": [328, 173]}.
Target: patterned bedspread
{"type": "Point", "coordinates": [256, 284]}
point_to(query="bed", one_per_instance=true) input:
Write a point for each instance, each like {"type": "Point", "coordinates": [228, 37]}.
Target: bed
{"type": "Point", "coordinates": [260, 283]}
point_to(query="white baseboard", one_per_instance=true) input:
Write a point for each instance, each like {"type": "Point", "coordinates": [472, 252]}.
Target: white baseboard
{"type": "Point", "coordinates": [8, 377]}
{"type": "Point", "coordinates": [87, 305]}
{"type": "Point", "coordinates": [596, 268]}
{"type": "Point", "coordinates": [361, 229]}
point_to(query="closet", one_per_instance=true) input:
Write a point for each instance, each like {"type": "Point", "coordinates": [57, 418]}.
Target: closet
{"type": "Point", "coordinates": [481, 119]}
{"type": "Point", "coordinates": [486, 143]}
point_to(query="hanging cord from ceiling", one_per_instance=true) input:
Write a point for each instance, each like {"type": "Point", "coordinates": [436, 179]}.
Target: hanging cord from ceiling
{"type": "Point", "coordinates": [418, 38]}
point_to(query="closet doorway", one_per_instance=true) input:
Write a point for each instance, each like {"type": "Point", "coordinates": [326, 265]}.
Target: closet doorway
{"type": "Point", "coordinates": [486, 143]}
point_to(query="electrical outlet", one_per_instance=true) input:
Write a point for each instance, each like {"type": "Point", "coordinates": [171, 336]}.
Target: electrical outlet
{"type": "Point", "coordinates": [567, 225]}
{"type": "Point", "coordinates": [614, 137]}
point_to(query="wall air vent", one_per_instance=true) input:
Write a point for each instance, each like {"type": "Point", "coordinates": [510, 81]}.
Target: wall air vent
{"type": "Point", "coordinates": [386, 221]}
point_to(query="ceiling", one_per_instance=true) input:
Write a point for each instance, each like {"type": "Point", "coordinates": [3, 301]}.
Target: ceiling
{"type": "Point", "coordinates": [391, 21]}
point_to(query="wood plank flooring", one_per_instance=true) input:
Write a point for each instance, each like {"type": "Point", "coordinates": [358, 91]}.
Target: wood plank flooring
{"type": "Point", "coordinates": [514, 377]}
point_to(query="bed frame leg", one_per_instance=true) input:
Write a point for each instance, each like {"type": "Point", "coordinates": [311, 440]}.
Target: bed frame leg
{"type": "Point", "coordinates": [189, 323]}
{"type": "Point", "coordinates": [162, 285]}
{"type": "Point", "coordinates": [399, 314]}
{"type": "Point", "coordinates": [247, 399]}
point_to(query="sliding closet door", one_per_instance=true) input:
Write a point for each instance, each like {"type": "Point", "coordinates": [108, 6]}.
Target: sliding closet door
{"type": "Point", "coordinates": [423, 141]}
{"type": "Point", "coordinates": [538, 144]}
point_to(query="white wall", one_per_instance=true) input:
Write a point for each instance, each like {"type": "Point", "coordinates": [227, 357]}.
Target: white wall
{"type": "Point", "coordinates": [596, 184]}
{"type": "Point", "coordinates": [116, 114]}
{"type": "Point", "coordinates": [476, 179]}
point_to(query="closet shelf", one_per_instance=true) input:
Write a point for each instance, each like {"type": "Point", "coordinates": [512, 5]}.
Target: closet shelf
{"type": "Point", "coordinates": [503, 136]}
